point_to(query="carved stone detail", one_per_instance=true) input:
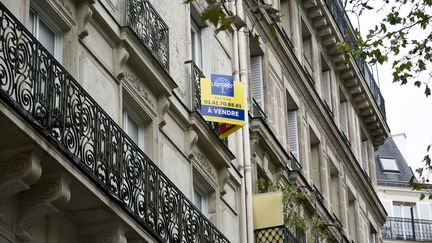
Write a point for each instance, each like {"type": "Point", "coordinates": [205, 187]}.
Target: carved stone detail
{"type": "Point", "coordinates": [192, 139]}
{"type": "Point", "coordinates": [278, 175]}
{"type": "Point", "coordinates": [18, 174]}
{"type": "Point", "coordinates": [164, 104]}
{"type": "Point", "coordinates": [44, 198]}
{"type": "Point", "coordinates": [123, 57]}
{"type": "Point", "coordinates": [224, 175]}
{"type": "Point", "coordinates": [116, 235]}
{"type": "Point", "coordinates": [205, 164]}
{"type": "Point", "coordinates": [65, 6]}
{"type": "Point", "coordinates": [85, 15]}
{"type": "Point", "coordinates": [136, 84]}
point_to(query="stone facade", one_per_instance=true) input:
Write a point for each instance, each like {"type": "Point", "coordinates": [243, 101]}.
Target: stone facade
{"type": "Point", "coordinates": [130, 153]}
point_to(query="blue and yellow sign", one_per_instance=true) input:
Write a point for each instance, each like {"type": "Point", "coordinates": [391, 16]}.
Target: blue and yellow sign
{"type": "Point", "coordinates": [222, 100]}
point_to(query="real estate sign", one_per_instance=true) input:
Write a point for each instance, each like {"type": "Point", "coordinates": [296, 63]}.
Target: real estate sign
{"type": "Point", "coordinates": [222, 100]}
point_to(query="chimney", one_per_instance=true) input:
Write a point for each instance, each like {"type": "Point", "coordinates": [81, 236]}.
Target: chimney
{"type": "Point", "coordinates": [400, 141]}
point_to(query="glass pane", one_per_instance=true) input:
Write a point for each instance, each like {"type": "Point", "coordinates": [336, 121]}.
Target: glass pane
{"type": "Point", "coordinates": [132, 129]}
{"type": "Point", "coordinates": [46, 37]}
{"type": "Point", "coordinates": [389, 164]}
{"type": "Point", "coordinates": [397, 211]}
{"type": "Point", "coordinates": [197, 199]}
{"type": "Point", "coordinates": [406, 211]}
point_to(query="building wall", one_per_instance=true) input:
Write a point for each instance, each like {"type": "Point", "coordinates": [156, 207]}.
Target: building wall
{"type": "Point", "coordinates": [121, 75]}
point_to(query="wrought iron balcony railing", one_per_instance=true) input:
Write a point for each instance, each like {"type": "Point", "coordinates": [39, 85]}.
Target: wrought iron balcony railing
{"type": "Point", "coordinates": [295, 164]}
{"type": "Point", "coordinates": [407, 229]}
{"type": "Point", "coordinates": [344, 25]}
{"type": "Point", "coordinates": [150, 29]}
{"type": "Point", "coordinates": [38, 88]}
{"type": "Point", "coordinates": [280, 234]}
{"type": "Point", "coordinates": [196, 75]}
{"type": "Point", "coordinates": [257, 111]}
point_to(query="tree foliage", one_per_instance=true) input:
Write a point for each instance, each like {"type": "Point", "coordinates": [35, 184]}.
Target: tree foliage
{"type": "Point", "coordinates": [293, 199]}
{"type": "Point", "coordinates": [219, 16]}
{"type": "Point", "coordinates": [403, 38]}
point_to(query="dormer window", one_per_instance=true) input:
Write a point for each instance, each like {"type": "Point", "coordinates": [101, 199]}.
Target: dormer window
{"type": "Point", "coordinates": [389, 164]}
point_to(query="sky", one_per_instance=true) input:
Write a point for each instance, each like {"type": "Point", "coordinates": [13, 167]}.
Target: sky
{"type": "Point", "coordinates": [408, 110]}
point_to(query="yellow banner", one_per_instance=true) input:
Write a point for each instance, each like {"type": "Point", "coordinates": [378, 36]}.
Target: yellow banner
{"type": "Point", "coordinates": [222, 100]}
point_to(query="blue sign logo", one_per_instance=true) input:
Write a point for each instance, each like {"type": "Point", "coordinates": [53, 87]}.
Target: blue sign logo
{"type": "Point", "coordinates": [222, 85]}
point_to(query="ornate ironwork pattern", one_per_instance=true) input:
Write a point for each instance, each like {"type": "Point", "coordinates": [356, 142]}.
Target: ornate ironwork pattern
{"type": "Point", "coordinates": [257, 111]}
{"type": "Point", "coordinates": [295, 164]}
{"type": "Point", "coordinates": [279, 234]}
{"type": "Point", "coordinates": [42, 91]}
{"type": "Point", "coordinates": [407, 229]}
{"type": "Point", "coordinates": [344, 25]}
{"type": "Point", "coordinates": [150, 28]}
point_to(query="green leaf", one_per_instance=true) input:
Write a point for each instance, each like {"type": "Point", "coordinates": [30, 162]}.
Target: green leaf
{"type": "Point", "coordinates": [427, 160]}
{"type": "Point", "coordinates": [427, 91]}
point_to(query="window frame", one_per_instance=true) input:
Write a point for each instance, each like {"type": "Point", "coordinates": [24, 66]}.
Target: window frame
{"type": "Point", "coordinates": [40, 16]}
{"type": "Point", "coordinates": [195, 51]}
{"type": "Point", "coordinates": [129, 114]}
{"type": "Point", "coordinates": [388, 170]}
{"type": "Point", "coordinates": [204, 207]}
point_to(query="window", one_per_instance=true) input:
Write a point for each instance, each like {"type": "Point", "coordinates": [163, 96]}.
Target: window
{"type": "Point", "coordinates": [293, 132]}
{"type": "Point", "coordinates": [133, 126]}
{"type": "Point", "coordinates": [201, 194]}
{"type": "Point", "coordinates": [365, 156]}
{"type": "Point", "coordinates": [196, 44]}
{"type": "Point", "coordinates": [389, 164]}
{"type": "Point", "coordinates": [257, 84]}
{"type": "Point", "coordinates": [373, 235]}
{"type": "Point", "coordinates": [44, 32]}
{"type": "Point", "coordinates": [326, 89]}
{"type": "Point", "coordinates": [402, 227]}
{"type": "Point", "coordinates": [344, 122]}
{"type": "Point", "coordinates": [200, 200]}
{"type": "Point", "coordinates": [307, 51]}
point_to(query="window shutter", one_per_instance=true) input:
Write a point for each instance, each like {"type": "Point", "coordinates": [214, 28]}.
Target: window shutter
{"type": "Point", "coordinates": [344, 118]}
{"type": "Point", "coordinates": [257, 87]}
{"type": "Point", "coordinates": [326, 88]}
{"type": "Point", "coordinates": [424, 210]}
{"type": "Point", "coordinates": [293, 133]}
{"type": "Point", "coordinates": [365, 156]}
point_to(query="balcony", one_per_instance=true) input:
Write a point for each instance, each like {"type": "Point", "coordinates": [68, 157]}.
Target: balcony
{"type": "Point", "coordinates": [345, 27]}
{"type": "Point", "coordinates": [196, 75]}
{"type": "Point", "coordinates": [38, 88]}
{"type": "Point", "coordinates": [150, 29]}
{"type": "Point", "coordinates": [295, 164]}
{"type": "Point", "coordinates": [278, 234]}
{"type": "Point", "coordinates": [257, 111]}
{"type": "Point", "coordinates": [407, 229]}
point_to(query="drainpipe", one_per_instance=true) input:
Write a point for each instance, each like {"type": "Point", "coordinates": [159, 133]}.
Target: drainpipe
{"type": "Point", "coordinates": [239, 139]}
{"type": "Point", "coordinates": [243, 63]}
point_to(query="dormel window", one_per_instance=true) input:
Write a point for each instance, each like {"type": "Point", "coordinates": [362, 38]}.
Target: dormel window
{"type": "Point", "coordinates": [389, 164]}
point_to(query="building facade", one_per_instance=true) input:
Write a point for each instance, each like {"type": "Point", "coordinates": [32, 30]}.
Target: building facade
{"type": "Point", "coordinates": [409, 218]}
{"type": "Point", "coordinates": [102, 139]}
